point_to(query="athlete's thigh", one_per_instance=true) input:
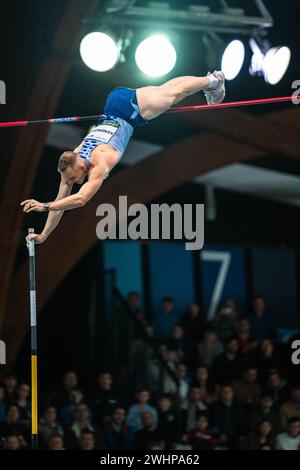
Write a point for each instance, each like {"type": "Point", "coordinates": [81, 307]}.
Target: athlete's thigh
{"type": "Point", "coordinates": [154, 100]}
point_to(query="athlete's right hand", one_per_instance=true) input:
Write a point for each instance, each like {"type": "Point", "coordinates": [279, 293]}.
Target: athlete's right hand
{"type": "Point", "coordinates": [38, 238]}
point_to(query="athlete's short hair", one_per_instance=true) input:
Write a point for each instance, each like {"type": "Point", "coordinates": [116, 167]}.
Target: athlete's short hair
{"type": "Point", "coordinates": [66, 159]}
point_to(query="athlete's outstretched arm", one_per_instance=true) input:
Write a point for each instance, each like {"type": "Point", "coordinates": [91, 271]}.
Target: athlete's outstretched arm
{"type": "Point", "coordinates": [53, 218]}
{"type": "Point", "coordinates": [74, 201]}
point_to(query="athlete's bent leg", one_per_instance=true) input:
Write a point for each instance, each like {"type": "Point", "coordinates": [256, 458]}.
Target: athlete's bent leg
{"type": "Point", "coordinates": [155, 100]}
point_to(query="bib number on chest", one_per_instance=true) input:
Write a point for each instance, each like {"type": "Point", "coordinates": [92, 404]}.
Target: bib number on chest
{"type": "Point", "coordinates": [105, 131]}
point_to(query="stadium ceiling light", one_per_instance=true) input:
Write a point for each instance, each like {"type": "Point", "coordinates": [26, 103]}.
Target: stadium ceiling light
{"type": "Point", "coordinates": [99, 51]}
{"type": "Point", "coordinates": [233, 59]}
{"type": "Point", "coordinates": [156, 56]}
{"type": "Point", "coordinates": [271, 62]}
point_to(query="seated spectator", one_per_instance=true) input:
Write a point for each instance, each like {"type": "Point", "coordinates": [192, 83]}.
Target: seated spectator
{"type": "Point", "coordinates": [176, 342]}
{"type": "Point", "coordinates": [290, 439]}
{"type": "Point", "coordinates": [277, 387]}
{"type": "Point", "coordinates": [266, 358]}
{"type": "Point", "coordinates": [231, 304]}
{"type": "Point", "coordinates": [13, 443]}
{"type": "Point", "coordinates": [82, 422]}
{"type": "Point", "coordinates": [13, 424]}
{"type": "Point", "coordinates": [247, 390]}
{"type": "Point", "coordinates": [67, 411]}
{"type": "Point", "coordinates": [165, 319]}
{"type": "Point", "coordinates": [24, 403]}
{"type": "Point", "coordinates": [225, 323]}
{"type": "Point", "coordinates": [259, 321]}
{"type": "Point", "coordinates": [167, 420]}
{"type": "Point", "coordinates": [227, 416]}
{"type": "Point", "coordinates": [193, 323]}
{"type": "Point", "coordinates": [263, 435]}
{"type": "Point", "coordinates": [62, 395]}
{"type": "Point", "coordinates": [200, 437]}
{"type": "Point", "coordinates": [2, 403]}
{"type": "Point", "coordinates": [291, 408]}
{"type": "Point", "coordinates": [87, 441]}
{"type": "Point", "coordinates": [106, 398]}
{"type": "Point", "coordinates": [183, 385]}
{"type": "Point", "coordinates": [209, 348]}
{"type": "Point", "coordinates": [10, 385]}
{"type": "Point", "coordinates": [49, 425]}
{"type": "Point", "coordinates": [192, 408]}
{"type": "Point", "coordinates": [246, 343]}
{"type": "Point", "coordinates": [148, 434]}
{"type": "Point", "coordinates": [56, 442]}
{"type": "Point", "coordinates": [227, 366]}
{"type": "Point", "coordinates": [265, 411]}
{"type": "Point", "coordinates": [116, 434]}
{"type": "Point", "coordinates": [203, 380]}
{"type": "Point", "coordinates": [134, 416]}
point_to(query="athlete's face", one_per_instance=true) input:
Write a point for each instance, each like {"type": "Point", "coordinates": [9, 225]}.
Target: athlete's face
{"type": "Point", "coordinates": [76, 173]}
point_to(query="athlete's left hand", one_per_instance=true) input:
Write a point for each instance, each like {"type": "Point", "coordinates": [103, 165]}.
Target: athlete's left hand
{"type": "Point", "coordinates": [32, 205]}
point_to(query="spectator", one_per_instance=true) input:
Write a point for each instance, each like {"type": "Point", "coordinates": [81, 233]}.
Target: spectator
{"type": "Point", "coordinates": [167, 419]}
{"type": "Point", "coordinates": [62, 396]}
{"type": "Point", "coordinates": [203, 381]}
{"type": "Point", "coordinates": [209, 348]}
{"type": "Point", "coordinates": [106, 398]}
{"type": "Point", "coordinates": [225, 323]}
{"type": "Point", "coordinates": [277, 387]}
{"type": "Point", "coordinates": [56, 442]}
{"type": "Point", "coordinates": [247, 390]}
{"type": "Point", "coordinates": [227, 417]}
{"type": "Point", "coordinates": [265, 411]}
{"type": "Point", "coordinates": [87, 441]}
{"type": "Point", "coordinates": [23, 402]}
{"type": "Point", "coordinates": [148, 435]}
{"type": "Point", "coordinates": [183, 386]}
{"type": "Point", "coordinates": [245, 340]}
{"type": "Point", "coordinates": [193, 323]}
{"type": "Point", "coordinates": [67, 411]}
{"type": "Point", "coordinates": [134, 417]}
{"type": "Point", "coordinates": [227, 366]}
{"type": "Point", "coordinates": [291, 408]}
{"type": "Point", "coordinates": [261, 436]}
{"type": "Point", "coordinates": [82, 422]}
{"type": "Point", "coordinates": [192, 408]}
{"type": "Point", "coordinates": [2, 403]}
{"type": "Point", "coordinates": [260, 325]}
{"type": "Point", "coordinates": [200, 437]}
{"type": "Point", "coordinates": [290, 439]}
{"type": "Point", "coordinates": [116, 434]}
{"type": "Point", "coordinates": [10, 385]}
{"type": "Point", "coordinates": [13, 425]}
{"type": "Point", "coordinates": [266, 358]}
{"type": "Point", "coordinates": [165, 319]}
{"type": "Point", "coordinates": [49, 425]}
{"type": "Point", "coordinates": [176, 342]}
{"type": "Point", "coordinates": [12, 443]}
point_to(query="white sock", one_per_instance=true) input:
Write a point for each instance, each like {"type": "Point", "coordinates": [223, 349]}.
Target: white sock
{"type": "Point", "coordinates": [213, 82]}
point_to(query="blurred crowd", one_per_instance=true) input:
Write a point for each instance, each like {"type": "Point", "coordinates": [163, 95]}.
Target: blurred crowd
{"type": "Point", "coordinates": [223, 384]}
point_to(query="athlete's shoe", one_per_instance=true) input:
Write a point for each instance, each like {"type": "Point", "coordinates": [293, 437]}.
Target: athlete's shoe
{"type": "Point", "coordinates": [216, 94]}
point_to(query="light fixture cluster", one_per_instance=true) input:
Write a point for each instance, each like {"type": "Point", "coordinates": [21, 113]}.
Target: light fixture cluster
{"type": "Point", "coordinates": [156, 56]}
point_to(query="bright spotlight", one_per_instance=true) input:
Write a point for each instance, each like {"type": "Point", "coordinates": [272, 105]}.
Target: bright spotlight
{"type": "Point", "coordinates": [155, 56]}
{"type": "Point", "coordinates": [276, 63]}
{"type": "Point", "coordinates": [272, 64]}
{"type": "Point", "coordinates": [99, 52]}
{"type": "Point", "coordinates": [233, 59]}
